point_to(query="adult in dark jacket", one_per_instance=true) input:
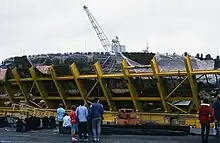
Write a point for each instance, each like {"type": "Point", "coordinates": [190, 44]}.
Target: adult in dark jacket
{"type": "Point", "coordinates": [206, 116]}
{"type": "Point", "coordinates": [97, 111]}
{"type": "Point", "coordinates": [216, 107]}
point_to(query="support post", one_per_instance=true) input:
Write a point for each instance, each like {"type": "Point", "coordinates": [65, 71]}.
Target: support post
{"type": "Point", "coordinates": [107, 94]}
{"type": "Point", "coordinates": [39, 85]}
{"type": "Point", "coordinates": [191, 106]}
{"type": "Point", "coordinates": [79, 84]}
{"type": "Point", "coordinates": [22, 86]}
{"type": "Point", "coordinates": [9, 91]}
{"type": "Point", "coordinates": [192, 81]}
{"type": "Point", "coordinates": [58, 86]}
{"type": "Point", "coordinates": [160, 86]}
{"type": "Point", "coordinates": [132, 90]}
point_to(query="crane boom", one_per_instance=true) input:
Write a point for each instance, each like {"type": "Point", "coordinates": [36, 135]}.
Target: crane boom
{"type": "Point", "coordinates": [115, 59]}
{"type": "Point", "coordinates": [100, 33]}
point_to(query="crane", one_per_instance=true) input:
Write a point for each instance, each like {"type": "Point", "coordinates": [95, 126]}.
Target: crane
{"type": "Point", "coordinates": [115, 58]}
{"type": "Point", "coordinates": [100, 33]}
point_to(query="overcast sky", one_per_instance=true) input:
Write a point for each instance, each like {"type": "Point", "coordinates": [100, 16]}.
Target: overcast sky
{"type": "Point", "coordinates": [51, 26]}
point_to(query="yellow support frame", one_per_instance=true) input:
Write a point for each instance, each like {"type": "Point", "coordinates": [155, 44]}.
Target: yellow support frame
{"type": "Point", "coordinates": [41, 88]}
{"type": "Point", "coordinates": [160, 87]}
{"type": "Point", "coordinates": [133, 93]}
{"type": "Point", "coordinates": [192, 82]}
{"type": "Point", "coordinates": [22, 87]}
{"type": "Point", "coordinates": [78, 82]}
{"type": "Point", "coordinates": [9, 91]}
{"type": "Point", "coordinates": [164, 98]}
{"type": "Point", "coordinates": [107, 94]}
{"type": "Point", "coordinates": [58, 86]}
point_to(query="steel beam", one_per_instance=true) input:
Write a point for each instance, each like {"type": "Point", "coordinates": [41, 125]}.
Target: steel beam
{"type": "Point", "coordinates": [167, 97]}
{"type": "Point", "coordinates": [160, 86]}
{"type": "Point", "coordinates": [22, 86]}
{"type": "Point", "coordinates": [79, 84]}
{"type": "Point", "coordinates": [176, 107]}
{"type": "Point", "coordinates": [113, 98]}
{"type": "Point", "coordinates": [104, 87]}
{"type": "Point", "coordinates": [132, 90]}
{"type": "Point", "coordinates": [9, 91]}
{"type": "Point", "coordinates": [41, 88]}
{"type": "Point", "coordinates": [93, 87]}
{"type": "Point", "coordinates": [191, 106]}
{"type": "Point", "coordinates": [58, 86]}
{"type": "Point", "coordinates": [192, 81]}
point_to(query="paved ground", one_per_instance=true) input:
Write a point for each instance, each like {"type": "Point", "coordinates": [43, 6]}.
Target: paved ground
{"type": "Point", "coordinates": [51, 136]}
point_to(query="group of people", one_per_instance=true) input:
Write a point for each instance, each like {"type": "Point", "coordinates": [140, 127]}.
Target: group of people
{"type": "Point", "coordinates": [78, 118]}
{"type": "Point", "coordinates": [207, 115]}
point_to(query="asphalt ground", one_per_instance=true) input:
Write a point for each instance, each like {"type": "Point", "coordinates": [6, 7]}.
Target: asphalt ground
{"type": "Point", "coordinates": [8, 135]}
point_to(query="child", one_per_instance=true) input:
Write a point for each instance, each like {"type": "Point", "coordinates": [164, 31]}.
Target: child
{"type": "Point", "coordinates": [73, 122]}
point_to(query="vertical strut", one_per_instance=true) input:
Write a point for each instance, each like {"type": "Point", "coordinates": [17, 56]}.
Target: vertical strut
{"type": "Point", "coordinates": [79, 84]}
{"type": "Point", "coordinates": [192, 81]}
{"type": "Point", "coordinates": [58, 85]}
{"type": "Point", "coordinates": [132, 90]}
{"type": "Point", "coordinates": [9, 91]}
{"type": "Point", "coordinates": [103, 85]}
{"type": "Point", "coordinates": [160, 86]}
{"type": "Point", "coordinates": [39, 85]}
{"type": "Point", "coordinates": [22, 86]}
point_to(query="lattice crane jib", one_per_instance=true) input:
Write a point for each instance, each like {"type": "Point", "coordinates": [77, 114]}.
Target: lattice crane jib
{"type": "Point", "coordinates": [100, 33]}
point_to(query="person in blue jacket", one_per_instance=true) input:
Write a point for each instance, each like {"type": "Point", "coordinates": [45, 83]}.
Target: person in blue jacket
{"type": "Point", "coordinates": [97, 111]}
{"type": "Point", "coordinates": [60, 114]}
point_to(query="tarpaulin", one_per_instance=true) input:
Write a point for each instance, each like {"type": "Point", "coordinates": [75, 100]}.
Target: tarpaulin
{"type": "Point", "coordinates": [44, 69]}
{"type": "Point", "coordinates": [3, 74]}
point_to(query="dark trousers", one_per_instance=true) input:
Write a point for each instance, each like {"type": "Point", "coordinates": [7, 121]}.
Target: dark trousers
{"type": "Point", "coordinates": [83, 130]}
{"type": "Point", "coordinates": [96, 127]}
{"type": "Point", "coordinates": [60, 126]}
{"type": "Point", "coordinates": [217, 128]}
{"type": "Point", "coordinates": [204, 136]}
{"type": "Point", "coordinates": [65, 130]}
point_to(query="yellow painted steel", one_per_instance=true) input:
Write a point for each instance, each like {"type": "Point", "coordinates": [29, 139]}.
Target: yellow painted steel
{"type": "Point", "coordinates": [176, 87]}
{"type": "Point", "coordinates": [187, 116]}
{"type": "Point", "coordinates": [192, 81]}
{"type": "Point", "coordinates": [39, 85]}
{"type": "Point", "coordinates": [58, 85]}
{"type": "Point", "coordinates": [160, 86]}
{"type": "Point", "coordinates": [103, 85]}
{"type": "Point", "coordinates": [9, 92]}
{"type": "Point", "coordinates": [131, 88]}
{"type": "Point", "coordinates": [78, 82]}
{"type": "Point", "coordinates": [109, 116]}
{"type": "Point", "coordinates": [22, 86]}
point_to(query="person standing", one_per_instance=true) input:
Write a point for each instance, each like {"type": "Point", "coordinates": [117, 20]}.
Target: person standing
{"type": "Point", "coordinates": [206, 116]}
{"type": "Point", "coordinates": [82, 116]}
{"type": "Point", "coordinates": [216, 107]}
{"type": "Point", "coordinates": [60, 114]}
{"type": "Point", "coordinates": [73, 122]}
{"type": "Point", "coordinates": [97, 112]}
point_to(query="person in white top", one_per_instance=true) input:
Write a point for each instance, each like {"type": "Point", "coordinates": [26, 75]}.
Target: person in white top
{"type": "Point", "coordinates": [66, 121]}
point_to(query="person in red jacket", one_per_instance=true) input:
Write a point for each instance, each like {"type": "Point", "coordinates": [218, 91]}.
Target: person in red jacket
{"type": "Point", "coordinates": [73, 122]}
{"type": "Point", "coordinates": [206, 116]}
